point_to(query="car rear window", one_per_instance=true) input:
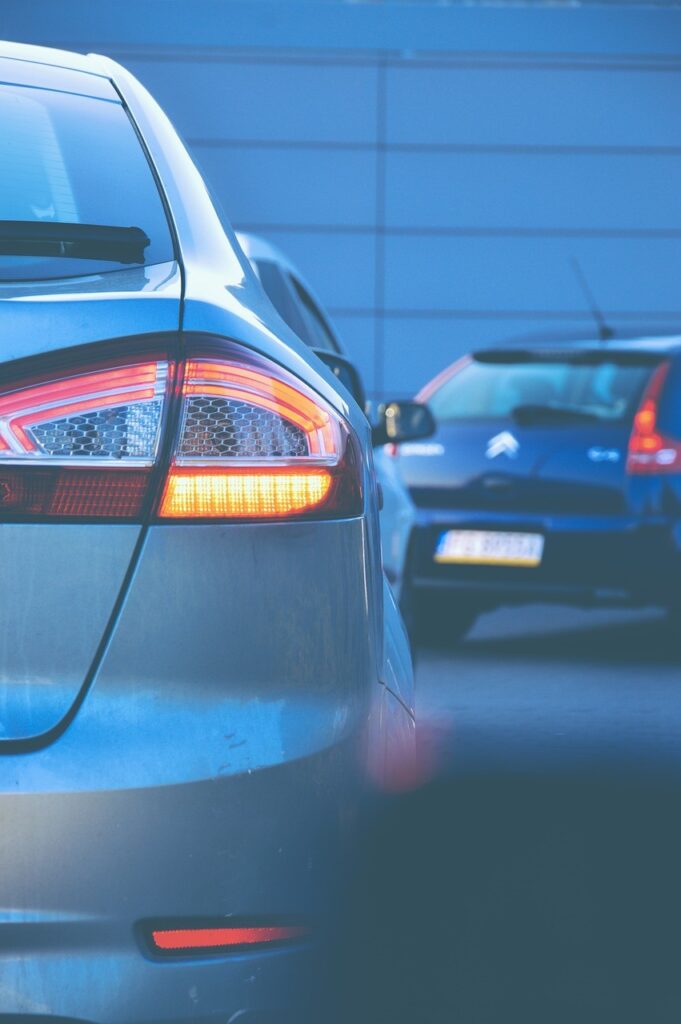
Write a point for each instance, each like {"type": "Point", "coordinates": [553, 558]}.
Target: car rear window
{"type": "Point", "coordinates": [530, 390]}
{"type": "Point", "coordinates": [70, 160]}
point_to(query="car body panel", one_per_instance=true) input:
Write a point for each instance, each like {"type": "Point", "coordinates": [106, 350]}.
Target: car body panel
{"type": "Point", "coordinates": [246, 687]}
{"type": "Point", "coordinates": [553, 469]}
{"type": "Point", "coordinates": [182, 688]}
{"type": "Point", "coordinates": [58, 588]}
{"type": "Point", "coordinates": [211, 783]}
{"type": "Point", "coordinates": [398, 674]}
{"type": "Point", "coordinates": [102, 862]}
{"type": "Point", "coordinates": [397, 519]}
{"type": "Point", "coordinates": [39, 317]}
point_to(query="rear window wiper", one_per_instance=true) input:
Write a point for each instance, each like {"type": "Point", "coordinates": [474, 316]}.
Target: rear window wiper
{"type": "Point", "coordinates": [78, 241]}
{"type": "Point", "coordinates": [527, 414]}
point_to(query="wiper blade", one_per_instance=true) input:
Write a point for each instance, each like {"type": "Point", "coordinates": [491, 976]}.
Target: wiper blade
{"type": "Point", "coordinates": [79, 241]}
{"type": "Point", "coordinates": [540, 413]}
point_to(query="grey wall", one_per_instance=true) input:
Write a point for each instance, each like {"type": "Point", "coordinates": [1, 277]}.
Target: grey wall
{"type": "Point", "coordinates": [434, 171]}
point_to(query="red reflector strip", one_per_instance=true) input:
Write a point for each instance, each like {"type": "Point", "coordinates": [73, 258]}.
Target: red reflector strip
{"type": "Point", "coordinates": [214, 938]}
{"type": "Point", "coordinates": [115, 493]}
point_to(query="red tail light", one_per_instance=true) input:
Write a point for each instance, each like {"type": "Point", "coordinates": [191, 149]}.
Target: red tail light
{"type": "Point", "coordinates": [253, 441]}
{"type": "Point", "coordinates": [82, 441]}
{"type": "Point", "coordinates": [217, 939]}
{"type": "Point", "coordinates": [651, 452]}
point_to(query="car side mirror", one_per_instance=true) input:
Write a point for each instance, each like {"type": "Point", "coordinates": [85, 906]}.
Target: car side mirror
{"type": "Point", "coordinates": [402, 421]}
{"type": "Point", "coordinates": [346, 372]}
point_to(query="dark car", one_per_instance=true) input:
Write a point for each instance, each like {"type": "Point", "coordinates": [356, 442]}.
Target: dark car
{"type": "Point", "coordinates": [554, 475]}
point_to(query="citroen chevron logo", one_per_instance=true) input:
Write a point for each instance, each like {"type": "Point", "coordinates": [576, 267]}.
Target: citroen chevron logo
{"type": "Point", "coordinates": [502, 444]}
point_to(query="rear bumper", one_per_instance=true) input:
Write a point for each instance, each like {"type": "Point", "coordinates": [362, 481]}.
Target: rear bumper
{"type": "Point", "coordinates": [597, 560]}
{"type": "Point", "coordinates": [218, 767]}
{"type": "Point", "coordinates": [88, 869]}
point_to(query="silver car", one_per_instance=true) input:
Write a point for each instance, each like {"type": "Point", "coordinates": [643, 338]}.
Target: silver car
{"type": "Point", "coordinates": [295, 301]}
{"type": "Point", "coordinates": [202, 673]}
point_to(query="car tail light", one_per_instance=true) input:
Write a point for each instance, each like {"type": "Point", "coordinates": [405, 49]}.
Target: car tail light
{"type": "Point", "coordinates": [256, 443]}
{"type": "Point", "coordinates": [651, 452]}
{"type": "Point", "coordinates": [82, 442]}
{"type": "Point", "coordinates": [185, 941]}
{"type": "Point", "coordinates": [252, 441]}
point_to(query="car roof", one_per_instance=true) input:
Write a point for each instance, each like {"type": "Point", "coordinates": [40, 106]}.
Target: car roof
{"type": "Point", "coordinates": [42, 68]}
{"type": "Point", "coordinates": [662, 344]}
{"type": "Point", "coordinates": [653, 346]}
{"type": "Point", "coordinates": [47, 56]}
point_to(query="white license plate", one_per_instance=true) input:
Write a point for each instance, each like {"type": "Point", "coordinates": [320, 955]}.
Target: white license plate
{"type": "Point", "coordinates": [490, 547]}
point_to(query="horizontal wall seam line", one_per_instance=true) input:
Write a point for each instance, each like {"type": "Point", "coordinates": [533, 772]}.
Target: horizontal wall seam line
{"type": "Point", "coordinates": [401, 59]}
{"type": "Point", "coordinates": [511, 149]}
{"type": "Point", "coordinates": [503, 314]}
{"type": "Point", "coordinates": [458, 232]}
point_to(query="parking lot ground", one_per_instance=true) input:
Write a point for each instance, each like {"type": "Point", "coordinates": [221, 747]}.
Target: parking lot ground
{"type": "Point", "coordinates": [540, 681]}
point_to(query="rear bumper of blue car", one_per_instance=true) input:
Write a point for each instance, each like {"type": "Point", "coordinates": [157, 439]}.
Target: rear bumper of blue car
{"type": "Point", "coordinates": [586, 559]}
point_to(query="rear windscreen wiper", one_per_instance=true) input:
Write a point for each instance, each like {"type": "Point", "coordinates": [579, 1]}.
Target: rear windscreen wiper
{"type": "Point", "coordinates": [79, 241]}
{"type": "Point", "coordinates": [526, 414]}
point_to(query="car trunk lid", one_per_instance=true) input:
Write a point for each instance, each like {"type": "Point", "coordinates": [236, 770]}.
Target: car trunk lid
{"type": "Point", "coordinates": [60, 583]}
{"type": "Point", "coordinates": [535, 433]}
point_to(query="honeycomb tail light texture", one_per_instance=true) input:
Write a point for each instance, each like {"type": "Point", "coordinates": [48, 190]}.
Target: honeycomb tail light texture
{"type": "Point", "coordinates": [82, 441]}
{"type": "Point", "coordinates": [256, 443]}
{"type": "Point", "coordinates": [253, 441]}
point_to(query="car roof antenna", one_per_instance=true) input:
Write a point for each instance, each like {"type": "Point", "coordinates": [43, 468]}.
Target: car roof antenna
{"type": "Point", "coordinates": [605, 333]}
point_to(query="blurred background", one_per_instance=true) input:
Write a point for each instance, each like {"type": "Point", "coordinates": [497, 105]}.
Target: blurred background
{"type": "Point", "coordinates": [433, 169]}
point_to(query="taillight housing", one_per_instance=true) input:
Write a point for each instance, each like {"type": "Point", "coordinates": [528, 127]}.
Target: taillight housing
{"type": "Point", "coordinates": [220, 433]}
{"type": "Point", "coordinates": [650, 451]}
{"type": "Point", "coordinates": [254, 442]}
{"type": "Point", "coordinates": [82, 440]}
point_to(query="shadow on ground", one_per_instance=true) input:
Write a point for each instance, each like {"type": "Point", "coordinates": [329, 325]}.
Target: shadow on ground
{"type": "Point", "coordinates": [619, 638]}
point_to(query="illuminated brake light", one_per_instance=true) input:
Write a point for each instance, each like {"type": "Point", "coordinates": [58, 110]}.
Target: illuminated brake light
{"type": "Point", "coordinates": [242, 494]}
{"type": "Point", "coordinates": [651, 452]}
{"type": "Point", "coordinates": [255, 442]}
{"type": "Point", "coordinates": [185, 940]}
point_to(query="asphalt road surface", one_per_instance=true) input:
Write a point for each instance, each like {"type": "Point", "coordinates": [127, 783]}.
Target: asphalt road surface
{"type": "Point", "coordinates": [542, 680]}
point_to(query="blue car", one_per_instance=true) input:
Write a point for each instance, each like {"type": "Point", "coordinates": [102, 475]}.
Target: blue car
{"type": "Point", "coordinates": [554, 475]}
{"type": "Point", "coordinates": [202, 670]}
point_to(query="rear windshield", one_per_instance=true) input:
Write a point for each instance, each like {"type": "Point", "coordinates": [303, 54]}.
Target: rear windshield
{"type": "Point", "coordinates": [538, 391]}
{"type": "Point", "coordinates": [77, 194]}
